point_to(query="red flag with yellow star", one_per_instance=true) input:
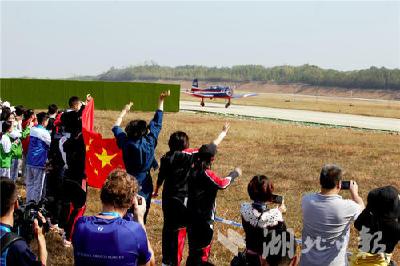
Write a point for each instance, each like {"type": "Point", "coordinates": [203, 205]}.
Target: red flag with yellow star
{"type": "Point", "coordinates": [102, 155]}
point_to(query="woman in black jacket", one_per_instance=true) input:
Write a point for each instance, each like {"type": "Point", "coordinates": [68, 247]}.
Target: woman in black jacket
{"type": "Point", "coordinates": [379, 227]}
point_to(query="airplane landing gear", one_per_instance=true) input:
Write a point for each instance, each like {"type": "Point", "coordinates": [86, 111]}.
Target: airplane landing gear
{"type": "Point", "coordinates": [227, 104]}
{"type": "Point", "coordinates": [202, 103]}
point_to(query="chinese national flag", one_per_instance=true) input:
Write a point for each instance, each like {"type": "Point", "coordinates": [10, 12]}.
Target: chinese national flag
{"type": "Point", "coordinates": [102, 155]}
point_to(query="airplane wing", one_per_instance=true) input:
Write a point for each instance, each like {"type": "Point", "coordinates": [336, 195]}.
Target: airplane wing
{"type": "Point", "coordinates": [202, 95]}
{"type": "Point", "coordinates": [237, 96]}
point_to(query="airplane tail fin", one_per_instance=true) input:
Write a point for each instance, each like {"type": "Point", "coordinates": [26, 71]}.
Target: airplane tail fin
{"type": "Point", "coordinates": [195, 84]}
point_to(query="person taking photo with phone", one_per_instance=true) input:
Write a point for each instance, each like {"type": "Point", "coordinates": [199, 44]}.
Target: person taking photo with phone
{"type": "Point", "coordinates": [327, 218]}
{"type": "Point", "coordinates": [114, 236]}
{"type": "Point", "coordinates": [259, 219]}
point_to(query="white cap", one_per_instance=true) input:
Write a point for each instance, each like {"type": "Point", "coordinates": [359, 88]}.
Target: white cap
{"type": "Point", "coordinates": [6, 104]}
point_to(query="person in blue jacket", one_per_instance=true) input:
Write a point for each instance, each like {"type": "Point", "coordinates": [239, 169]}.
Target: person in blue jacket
{"type": "Point", "coordinates": [138, 143]}
{"type": "Point", "coordinates": [39, 145]}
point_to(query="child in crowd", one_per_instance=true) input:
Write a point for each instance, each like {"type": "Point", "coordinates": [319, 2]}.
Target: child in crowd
{"type": "Point", "coordinates": [6, 147]}
{"type": "Point", "coordinates": [19, 115]}
{"type": "Point", "coordinates": [74, 152]}
{"type": "Point", "coordinates": [52, 111]}
{"type": "Point", "coordinates": [174, 168]}
{"type": "Point", "coordinates": [138, 144]}
{"type": "Point", "coordinates": [29, 117]}
{"type": "Point", "coordinates": [36, 158]}
{"type": "Point", "coordinates": [174, 173]}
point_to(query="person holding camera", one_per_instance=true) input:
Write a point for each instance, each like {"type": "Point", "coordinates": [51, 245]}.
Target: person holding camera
{"type": "Point", "coordinates": [327, 218]}
{"type": "Point", "coordinates": [114, 236]}
{"type": "Point", "coordinates": [259, 221]}
{"type": "Point", "coordinates": [138, 143]}
{"type": "Point", "coordinates": [14, 249]}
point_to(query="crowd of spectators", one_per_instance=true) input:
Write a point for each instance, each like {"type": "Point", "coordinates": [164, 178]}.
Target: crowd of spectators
{"type": "Point", "coordinates": [46, 151]}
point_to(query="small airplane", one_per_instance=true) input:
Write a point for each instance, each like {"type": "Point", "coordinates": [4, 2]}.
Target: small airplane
{"type": "Point", "coordinates": [218, 91]}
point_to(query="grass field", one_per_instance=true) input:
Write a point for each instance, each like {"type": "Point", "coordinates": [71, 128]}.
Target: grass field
{"type": "Point", "coordinates": [289, 154]}
{"type": "Point", "coordinates": [381, 108]}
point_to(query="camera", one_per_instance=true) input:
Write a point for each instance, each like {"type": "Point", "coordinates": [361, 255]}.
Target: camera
{"type": "Point", "coordinates": [25, 215]}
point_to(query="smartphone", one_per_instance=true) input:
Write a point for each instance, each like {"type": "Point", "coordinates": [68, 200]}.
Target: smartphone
{"type": "Point", "coordinates": [345, 185]}
{"type": "Point", "coordinates": [277, 199]}
{"type": "Point", "coordinates": [139, 200]}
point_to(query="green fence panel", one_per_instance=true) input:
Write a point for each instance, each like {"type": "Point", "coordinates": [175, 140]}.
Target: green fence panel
{"type": "Point", "coordinates": [39, 93]}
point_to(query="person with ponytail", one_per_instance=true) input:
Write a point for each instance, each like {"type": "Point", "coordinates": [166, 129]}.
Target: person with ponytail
{"type": "Point", "coordinates": [202, 190]}
{"type": "Point", "coordinates": [379, 228]}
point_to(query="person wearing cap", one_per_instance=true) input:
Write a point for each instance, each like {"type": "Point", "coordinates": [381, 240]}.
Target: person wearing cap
{"type": "Point", "coordinates": [379, 228]}
{"type": "Point", "coordinates": [327, 219]}
{"type": "Point", "coordinates": [202, 190]}
{"type": "Point", "coordinates": [138, 143]}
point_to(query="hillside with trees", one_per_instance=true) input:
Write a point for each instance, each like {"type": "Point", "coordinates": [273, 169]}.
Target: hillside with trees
{"type": "Point", "coordinates": [372, 78]}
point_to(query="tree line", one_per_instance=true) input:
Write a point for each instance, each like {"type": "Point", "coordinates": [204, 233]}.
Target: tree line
{"type": "Point", "coordinates": [372, 78]}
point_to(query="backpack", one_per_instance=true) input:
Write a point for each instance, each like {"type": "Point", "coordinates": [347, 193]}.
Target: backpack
{"type": "Point", "coordinates": [6, 240]}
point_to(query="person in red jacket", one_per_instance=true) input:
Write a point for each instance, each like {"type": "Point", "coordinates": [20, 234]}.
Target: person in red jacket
{"type": "Point", "coordinates": [203, 188]}
{"type": "Point", "coordinates": [29, 118]}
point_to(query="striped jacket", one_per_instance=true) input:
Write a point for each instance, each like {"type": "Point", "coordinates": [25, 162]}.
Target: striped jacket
{"type": "Point", "coordinates": [38, 147]}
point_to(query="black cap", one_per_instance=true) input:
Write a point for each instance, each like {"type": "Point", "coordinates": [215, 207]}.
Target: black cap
{"type": "Point", "coordinates": [384, 201]}
{"type": "Point", "coordinates": [207, 152]}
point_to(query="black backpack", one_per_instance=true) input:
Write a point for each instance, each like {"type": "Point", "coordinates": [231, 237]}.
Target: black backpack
{"type": "Point", "coordinates": [6, 240]}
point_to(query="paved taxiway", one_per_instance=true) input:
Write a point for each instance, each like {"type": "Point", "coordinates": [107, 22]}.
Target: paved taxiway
{"type": "Point", "coordinates": [347, 120]}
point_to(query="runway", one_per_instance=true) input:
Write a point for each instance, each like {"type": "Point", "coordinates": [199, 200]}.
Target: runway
{"type": "Point", "coordinates": [324, 118]}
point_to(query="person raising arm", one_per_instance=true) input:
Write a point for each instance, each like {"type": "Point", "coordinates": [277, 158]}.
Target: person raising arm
{"type": "Point", "coordinates": [138, 142]}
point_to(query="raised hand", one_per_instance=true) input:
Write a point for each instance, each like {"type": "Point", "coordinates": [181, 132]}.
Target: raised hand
{"type": "Point", "coordinates": [226, 127]}
{"type": "Point", "coordinates": [128, 106]}
{"type": "Point", "coordinates": [165, 94]}
{"type": "Point", "coordinates": [88, 97]}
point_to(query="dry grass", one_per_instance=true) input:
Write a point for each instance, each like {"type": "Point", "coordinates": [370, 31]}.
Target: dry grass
{"type": "Point", "coordinates": [291, 155]}
{"type": "Point", "coordinates": [384, 108]}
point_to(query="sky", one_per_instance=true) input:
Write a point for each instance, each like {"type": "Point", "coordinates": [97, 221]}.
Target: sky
{"type": "Point", "coordinates": [61, 39]}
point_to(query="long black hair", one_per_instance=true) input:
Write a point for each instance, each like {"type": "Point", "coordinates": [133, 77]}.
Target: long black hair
{"type": "Point", "coordinates": [5, 127]}
{"type": "Point", "coordinates": [383, 205]}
